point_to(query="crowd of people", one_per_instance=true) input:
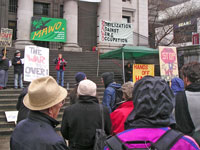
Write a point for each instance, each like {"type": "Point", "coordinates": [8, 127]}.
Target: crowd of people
{"type": "Point", "coordinates": [147, 114]}
{"type": "Point", "coordinates": [144, 114]}
{"type": "Point", "coordinates": [18, 63]}
{"type": "Point", "coordinates": [5, 64]}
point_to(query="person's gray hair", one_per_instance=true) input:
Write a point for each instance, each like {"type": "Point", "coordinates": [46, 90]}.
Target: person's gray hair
{"type": "Point", "coordinates": [127, 89]}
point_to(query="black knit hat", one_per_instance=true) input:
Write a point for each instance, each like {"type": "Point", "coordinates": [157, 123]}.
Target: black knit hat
{"type": "Point", "coordinates": [108, 77]}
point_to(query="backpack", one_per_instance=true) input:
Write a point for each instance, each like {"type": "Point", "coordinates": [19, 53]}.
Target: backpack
{"type": "Point", "coordinates": [165, 142]}
{"type": "Point", "coordinates": [196, 136]}
{"type": "Point", "coordinates": [118, 98]}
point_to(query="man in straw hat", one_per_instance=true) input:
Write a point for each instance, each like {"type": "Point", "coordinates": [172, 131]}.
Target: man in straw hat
{"type": "Point", "coordinates": [44, 99]}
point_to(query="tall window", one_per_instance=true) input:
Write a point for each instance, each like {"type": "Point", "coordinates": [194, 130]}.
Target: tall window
{"type": "Point", "coordinates": [126, 19]}
{"type": "Point", "coordinates": [61, 11]}
{"type": "Point", "coordinates": [41, 9]}
{"type": "Point", "coordinates": [13, 25]}
{"type": "Point", "coordinates": [13, 6]}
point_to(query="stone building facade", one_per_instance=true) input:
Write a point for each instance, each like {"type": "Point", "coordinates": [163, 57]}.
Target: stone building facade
{"type": "Point", "coordinates": [82, 21]}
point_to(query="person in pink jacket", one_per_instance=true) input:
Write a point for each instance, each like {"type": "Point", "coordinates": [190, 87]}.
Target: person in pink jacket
{"type": "Point", "coordinates": [151, 118]}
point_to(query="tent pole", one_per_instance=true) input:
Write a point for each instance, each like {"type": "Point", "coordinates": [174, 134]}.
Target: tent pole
{"type": "Point", "coordinates": [123, 66]}
{"type": "Point", "coordinates": [98, 63]}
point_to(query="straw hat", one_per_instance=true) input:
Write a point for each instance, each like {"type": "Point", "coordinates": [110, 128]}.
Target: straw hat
{"type": "Point", "coordinates": [44, 93]}
{"type": "Point", "coordinates": [87, 87]}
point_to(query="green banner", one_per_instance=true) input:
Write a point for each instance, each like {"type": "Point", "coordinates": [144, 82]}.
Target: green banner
{"type": "Point", "coordinates": [48, 29]}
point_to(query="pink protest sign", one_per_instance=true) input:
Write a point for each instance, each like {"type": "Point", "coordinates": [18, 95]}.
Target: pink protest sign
{"type": "Point", "coordinates": [168, 62]}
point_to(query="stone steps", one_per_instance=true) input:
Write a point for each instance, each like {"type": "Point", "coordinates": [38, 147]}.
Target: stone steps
{"type": "Point", "coordinates": [85, 62]}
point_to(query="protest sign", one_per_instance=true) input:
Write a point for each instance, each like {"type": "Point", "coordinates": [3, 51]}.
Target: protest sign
{"type": "Point", "coordinates": [11, 116]}
{"type": "Point", "coordinates": [6, 37]}
{"type": "Point", "coordinates": [36, 62]}
{"type": "Point", "coordinates": [119, 33]}
{"type": "Point", "coordinates": [141, 70]}
{"type": "Point", "coordinates": [48, 29]}
{"type": "Point", "coordinates": [168, 62]}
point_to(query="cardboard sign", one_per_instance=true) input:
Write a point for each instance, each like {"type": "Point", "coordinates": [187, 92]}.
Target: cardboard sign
{"type": "Point", "coordinates": [141, 70]}
{"type": "Point", "coordinates": [36, 62]}
{"type": "Point", "coordinates": [6, 37]}
{"type": "Point", "coordinates": [48, 29]}
{"type": "Point", "coordinates": [168, 62]}
{"type": "Point", "coordinates": [11, 116]}
{"type": "Point", "coordinates": [112, 32]}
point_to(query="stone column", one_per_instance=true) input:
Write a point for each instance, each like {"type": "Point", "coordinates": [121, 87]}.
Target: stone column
{"type": "Point", "coordinates": [24, 15]}
{"type": "Point", "coordinates": [109, 10]}
{"type": "Point", "coordinates": [4, 13]}
{"type": "Point", "coordinates": [71, 15]}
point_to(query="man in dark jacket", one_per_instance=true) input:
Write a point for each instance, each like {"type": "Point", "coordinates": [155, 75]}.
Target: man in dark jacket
{"type": "Point", "coordinates": [81, 119]}
{"type": "Point", "coordinates": [4, 66]}
{"type": "Point", "coordinates": [109, 93]}
{"type": "Point", "coordinates": [187, 110]}
{"type": "Point", "coordinates": [73, 94]}
{"type": "Point", "coordinates": [18, 69]}
{"type": "Point", "coordinates": [45, 99]}
{"type": "Point", "coordinates": [22, 110]}
{"type": "Point", "coordinates": [128, 72]}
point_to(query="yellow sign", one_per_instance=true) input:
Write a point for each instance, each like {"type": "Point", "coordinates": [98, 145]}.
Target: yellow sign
{"type": "Point", "coordinates": [168, 62]}
{"type": "Point", "coordinates": [141, 70]}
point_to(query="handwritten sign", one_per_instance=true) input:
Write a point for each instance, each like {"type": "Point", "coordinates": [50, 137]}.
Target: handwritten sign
{"type": "Point", "coordinates": [11, 116]}
{"type": "Point", "coordinates": [141, 70]}
{"type": "Point", "coordinates": [168, 62]}
{"type": "Point", "coordinates": [36, 62]}
{"type": "Point", "coordinates": [119, 33]}
{"type": "Point", "coordinates": [48, 29]}
{"type": "Point", "coordinates": [6, 37]}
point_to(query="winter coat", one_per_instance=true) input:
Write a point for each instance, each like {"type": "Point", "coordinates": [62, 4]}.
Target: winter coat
{"type": "Point", "coordinates": [18, 68]}
{"type": "Point", "coordinates": [153, 102]}
{"type": "Point", "coordinates": [80, 122]}
{"type": "Point", "coordinates": [128, 73]}
{"type": "Point", "coordinates": [109, 95]}
{"type": "Point", "coordinates": [23, 110]}
{"type": "Point", "coordinates": [73, 95]}
{"type": "Point", "coordinates": [187, 109]}
{"type": "Point", "coordinates": [37, 133]}
{"type": "Point", "coordinates": [60, 64]}
{"type": "Point", "coordinates": [4, 64]}
{"type": "Point", "coordinates": [152, 135]}
{"type": "Point", "coordinates": [177, 85]}
{"type": "Point", "coordinates": [151, 117]}
{"type": "Point", "coordinates": [119, 116]}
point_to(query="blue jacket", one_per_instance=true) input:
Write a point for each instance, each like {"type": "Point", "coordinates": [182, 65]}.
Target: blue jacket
{"type": "Point", "coordinates": [177, 85]}
{"type": "Point", "coordinates": [37, 133]}
{"type": "Point", "coordinates": [109, 95]}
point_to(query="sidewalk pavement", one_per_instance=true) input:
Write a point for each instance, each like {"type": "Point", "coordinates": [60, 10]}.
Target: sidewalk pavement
{"type": "Point", "coordinates": [5, 143]}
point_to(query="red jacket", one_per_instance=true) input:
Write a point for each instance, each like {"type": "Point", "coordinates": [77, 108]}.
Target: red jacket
{"type": "Point", "coordinates": [118, 117]}
{"type": "Point", "coordinates": [58, 61]}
